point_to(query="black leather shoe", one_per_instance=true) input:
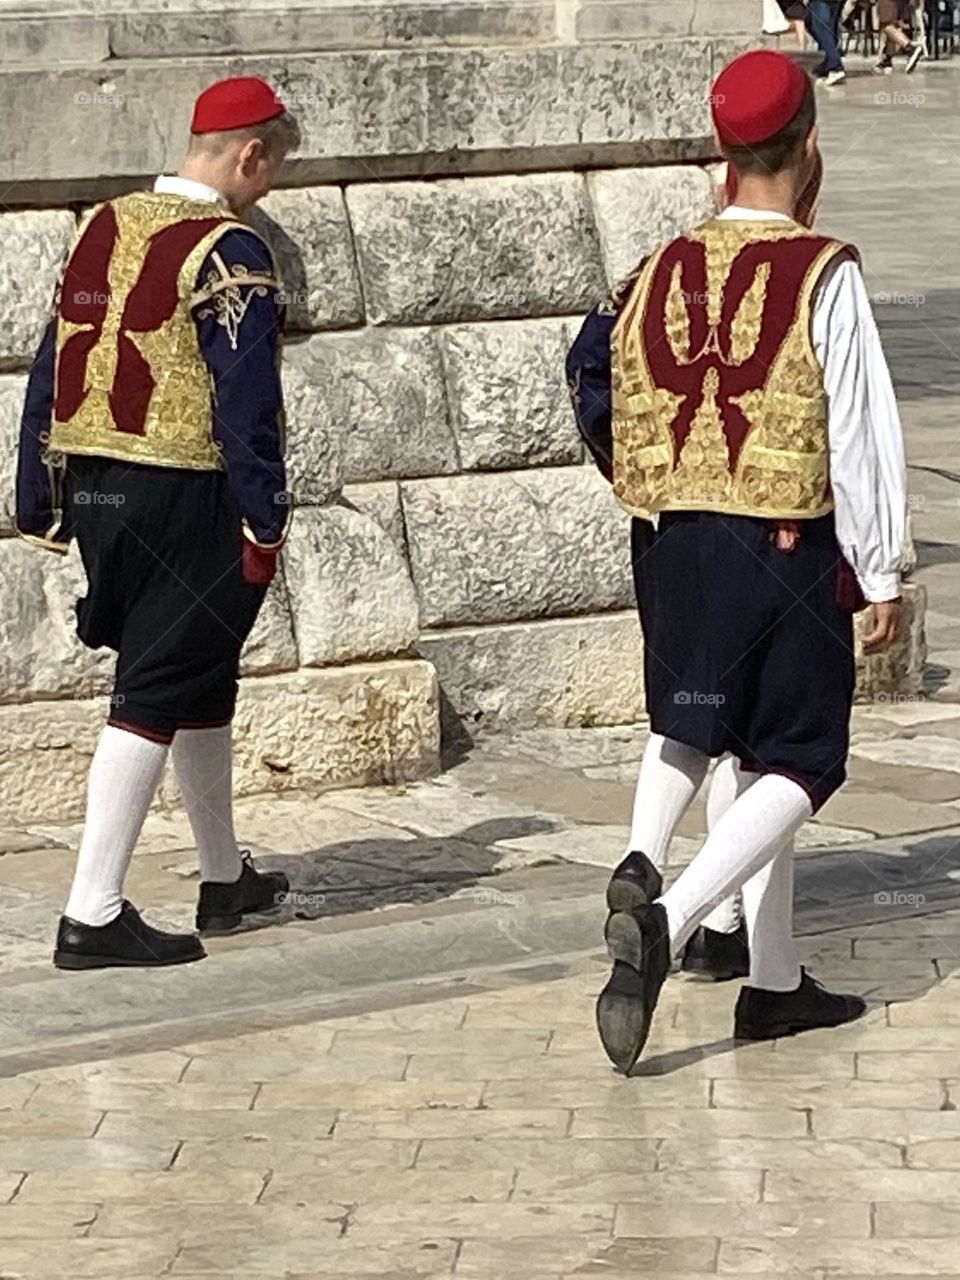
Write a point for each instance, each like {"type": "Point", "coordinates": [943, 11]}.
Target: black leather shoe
{"type": "Point", "coordinates": [717, 957]}
{"type": "Point", "coordinates": [639, 945]}
{"type": "Point", "coordinates": [127, 940]}
{"type": "Point", "coordinates": [766, 1015]}
{"type": "Point", "coordinates": [222, 906]}
{"type": "Point", "coordinates": [634, 883]}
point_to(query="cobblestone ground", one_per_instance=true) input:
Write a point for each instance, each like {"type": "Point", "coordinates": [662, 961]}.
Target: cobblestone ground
{"type": "Point", "coordinates": [400, 1078]}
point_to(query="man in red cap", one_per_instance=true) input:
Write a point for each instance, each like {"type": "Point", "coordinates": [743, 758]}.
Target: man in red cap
{"type": "Point", "coordinates": [152, 434]}
{"type": "Point", "coordinates": [735, 393]}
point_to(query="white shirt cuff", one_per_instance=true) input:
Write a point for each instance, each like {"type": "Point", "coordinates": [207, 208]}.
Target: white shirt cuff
{"type": "Point", "coordinates": [878, 587]}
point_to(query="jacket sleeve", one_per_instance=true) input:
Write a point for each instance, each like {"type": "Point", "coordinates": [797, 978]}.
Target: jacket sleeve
{"type": "Point", "coordinates": [239, 317]}
{"type": "Point", "coordinates": [589, 375]}
{"type": "Point", "coordinates": [39, 515]}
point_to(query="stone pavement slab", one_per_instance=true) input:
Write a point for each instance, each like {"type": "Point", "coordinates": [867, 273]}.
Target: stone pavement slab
{"type": "Point", "coordinates": [538, 1161]}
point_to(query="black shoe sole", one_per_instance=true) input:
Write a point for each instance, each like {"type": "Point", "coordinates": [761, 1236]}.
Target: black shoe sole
{"type": "Point", "coordinates": [623, 1018]}
{"type": "Point", "coordinates": [699, 973]}
{"type": "Point", "coordinates": [783, 1030]}
{"type": "Point", "coordinates": [70, 961]}
{"type": "Point", "coordinates": [222, 926]}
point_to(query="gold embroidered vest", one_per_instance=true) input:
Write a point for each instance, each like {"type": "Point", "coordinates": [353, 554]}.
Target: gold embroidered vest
{"type": "Point", "coordinates": [718, 397]}
{"type": "Point", "coordinates": [131, 382]}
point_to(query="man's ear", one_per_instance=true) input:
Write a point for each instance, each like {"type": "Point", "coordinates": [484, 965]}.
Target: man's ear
{"type": "Point", "coordinates": [250, 156]}
{"type": "Point", "coordinates": [812, 144]}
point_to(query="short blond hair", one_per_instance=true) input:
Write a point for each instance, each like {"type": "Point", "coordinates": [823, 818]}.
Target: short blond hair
{"type": "Point", "coordinates": [279, 136]}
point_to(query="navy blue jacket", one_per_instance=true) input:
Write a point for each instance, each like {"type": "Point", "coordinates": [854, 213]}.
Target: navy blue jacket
{"type": "Point", "coordinates": [589, 375]}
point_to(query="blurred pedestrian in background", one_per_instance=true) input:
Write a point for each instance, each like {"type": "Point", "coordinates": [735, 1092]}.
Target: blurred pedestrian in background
{"type": "Point", "coordinates": [896, 18]}
{"type": "Point", "coordinates": [795, 12]}
{"type": "Point", "coordinates": [823, 22]}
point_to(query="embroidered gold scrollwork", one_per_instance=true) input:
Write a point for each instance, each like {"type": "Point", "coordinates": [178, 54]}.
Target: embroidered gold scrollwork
{"type": "Point", "coordinates": [676, 317]}
{"type": "Point", "coordinates": [703, 469]}
{"type": "Point", "coordinates": [230, 291]}
{"type": "Point", "coordinates": [747, 322]}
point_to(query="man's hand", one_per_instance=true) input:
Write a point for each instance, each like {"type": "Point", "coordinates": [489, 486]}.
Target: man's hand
{"type": "Point", "coordinates": [886, 626]}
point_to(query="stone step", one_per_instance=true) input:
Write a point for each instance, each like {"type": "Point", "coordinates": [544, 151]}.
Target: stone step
{"type": "Point", "coordinates": [379, 114]}
{"type": "Point", "coordinates": [531, 925]}
{"type": "Point", "coordinates": [40, 33]}
{"type": "Point", "coordinates": [43, 39]}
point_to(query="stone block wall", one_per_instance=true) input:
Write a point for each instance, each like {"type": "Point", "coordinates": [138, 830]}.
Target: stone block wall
{"type": "Point", "coordinates": [455, 210]}
{"type": "Point", "coordinates": [447, 521]}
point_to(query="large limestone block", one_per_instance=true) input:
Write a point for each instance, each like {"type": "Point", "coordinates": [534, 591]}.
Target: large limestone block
{"type": "Point", "coordinates": [46, 41]}
{"type": "Point", "coordinates": [380, 396]}
{"type": "Point", "coordinates": [568, 672]}
{"type": "Point", "coordinates": [266, 27]}
{"type": "Point", "coordinates": [310, 237]}
{"type": "Point", "coordinates": [643, 19]}
{"type": "Point", "coordinates": [45, 753]}
{"type": "Point", "coordinates": [494, 548]}
{"type": "Point", "coordinates": [477, 248]}
{"type": "Point", "coordinates": [350, 591]}
{"type": "Point", "coordinates": [882, 677]}
{"type": "Point", "coordinates": [33, 246]}
{"type": "Point", "coordinates": [271, 646]}
{"type": "Point", "coordinates": [380, 500]}
{"type": "Point", "coordinates": [40, 655]}
{"type": "Point", "coordinates": [508, 398]}
{"type": "Point", "coordinates": [639, 209]}
{"type": "Point", "coordinates": [371, 115]}
{"type": "Point", "coordinates": [345, 726]}
{"type": "Point", "coordinates": [12, 390]}
{"type": "Point", "coordinates": [315, 433]}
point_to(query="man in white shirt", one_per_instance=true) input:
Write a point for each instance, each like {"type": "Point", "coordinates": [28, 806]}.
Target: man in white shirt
{"type": "Point", "coordinates": [735, 390]}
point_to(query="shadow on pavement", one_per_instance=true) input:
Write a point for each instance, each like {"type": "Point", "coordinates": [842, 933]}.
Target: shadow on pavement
{"type": "Point", "coordinates": [360, 875]}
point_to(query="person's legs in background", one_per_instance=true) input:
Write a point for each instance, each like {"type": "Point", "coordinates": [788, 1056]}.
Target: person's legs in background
{"type": "Point", "coordinates": [823, 21]}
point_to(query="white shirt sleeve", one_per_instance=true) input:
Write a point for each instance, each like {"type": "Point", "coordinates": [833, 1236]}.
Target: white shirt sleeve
{"type": "Point", "coordinates": [867, 468]}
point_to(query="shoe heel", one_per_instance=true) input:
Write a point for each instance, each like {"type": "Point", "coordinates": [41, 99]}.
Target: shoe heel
{"type": "Point", "coordinates": [624, 939]}
{"type": "Point", "coordinates": [626, 895]}
{"type": "Point", "coordinates": [219, 924]}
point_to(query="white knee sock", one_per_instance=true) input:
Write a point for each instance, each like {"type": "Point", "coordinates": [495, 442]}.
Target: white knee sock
{"type": "Point", "coordinates": [752, 831]}
{"type": "Point", "coordinates": [671, 774]}
{"type": "Point", "coordinates": [203, 760]}
{"type": "Point", "coordinates": [768, 908]}
{"type": "Point", "coordinates": [124, 775]}
{"type": "Point", "coordinates": [728, 782]}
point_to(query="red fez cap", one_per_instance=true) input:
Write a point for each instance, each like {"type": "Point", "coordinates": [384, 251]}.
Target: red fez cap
{"type": "Point", "coordinates": [235, 104]}
{"type": "Point", "coordinates": [756, 96]}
